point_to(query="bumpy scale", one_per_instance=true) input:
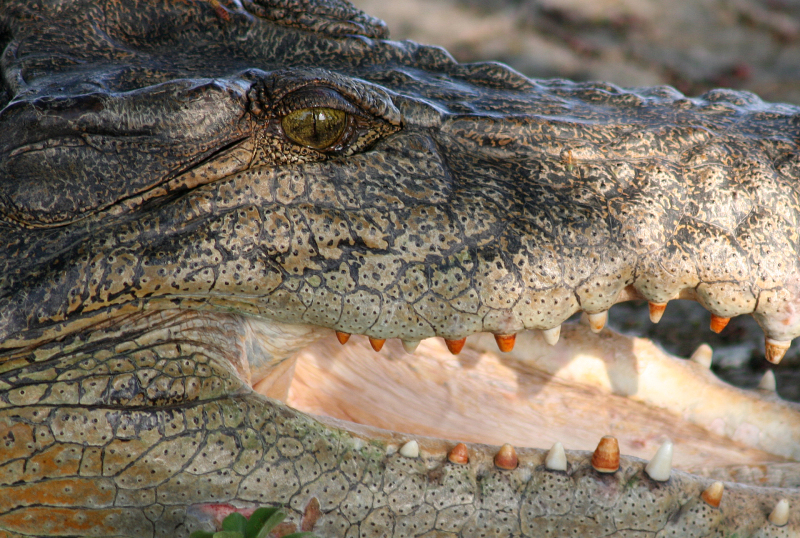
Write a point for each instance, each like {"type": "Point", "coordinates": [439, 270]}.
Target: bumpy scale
{"type": "Point", "coordinates": [191, 191]}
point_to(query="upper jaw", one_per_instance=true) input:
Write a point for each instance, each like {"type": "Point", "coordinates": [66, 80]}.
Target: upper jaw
{"type": "Point", "coordinates": [477, 222]}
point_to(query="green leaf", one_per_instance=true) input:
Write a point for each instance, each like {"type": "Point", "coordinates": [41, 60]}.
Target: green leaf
{"type": "Point", "coordinates": [201, 534]}
{"type": "Point", "coordinates": [301, 535]}
{"type": "Point", "coordinates": [273, 521]}
{"type": "Point", "coordinates": [228, 534]}
{"type": "Point", "coordinates": [257, 520]}
{"type": "Point", "coordinates": [235, 522]}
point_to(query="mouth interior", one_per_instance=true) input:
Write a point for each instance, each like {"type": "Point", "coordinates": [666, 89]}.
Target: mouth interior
{"type": "Point", "coordinates": [483, 396]}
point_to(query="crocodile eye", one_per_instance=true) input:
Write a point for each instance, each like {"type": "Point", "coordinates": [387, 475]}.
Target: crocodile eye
{"type": "Point", "coordinates": [319, 128]}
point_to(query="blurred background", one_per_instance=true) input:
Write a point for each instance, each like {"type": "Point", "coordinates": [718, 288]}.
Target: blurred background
{"type": "Point", "coordinates": [693, 45]}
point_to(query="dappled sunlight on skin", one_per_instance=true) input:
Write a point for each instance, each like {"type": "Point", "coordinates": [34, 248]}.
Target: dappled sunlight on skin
{"type": "Point", "coordinates": [179, 228]}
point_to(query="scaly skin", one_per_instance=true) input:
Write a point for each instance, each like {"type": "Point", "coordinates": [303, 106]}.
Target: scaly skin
{"type": "Point", "coordinates": [165, 247]}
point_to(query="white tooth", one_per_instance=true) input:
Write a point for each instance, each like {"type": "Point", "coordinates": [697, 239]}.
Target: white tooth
{"type": "Point", "coordinates": [410, 345]}
{"type": "Point", "coordinates": [768, 382]}
{"type": "Point", "coordinates": [410, 449]}
{"type": "Point", "coordinates": [556, 459]}
{"type": "Point", "coordinates": [597, 321]}
{"type": "Point", "coordinates": [660, 466]}
{"type": "Point", "coordinates": [551, 335]}
{"type": "Point", "coordinates": [702, 355]}
{"type": "Point", "coordinates": [780, 514]}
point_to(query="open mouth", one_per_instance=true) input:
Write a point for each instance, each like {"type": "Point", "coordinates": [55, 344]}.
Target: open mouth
{"type": "Point", "coordinates": [498, 423]}
{"type": "Point", "coordinates": [582, 388]}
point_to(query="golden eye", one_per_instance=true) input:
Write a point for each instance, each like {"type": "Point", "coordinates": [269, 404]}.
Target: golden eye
{"type": "Point", "coordinates": [318, 128]}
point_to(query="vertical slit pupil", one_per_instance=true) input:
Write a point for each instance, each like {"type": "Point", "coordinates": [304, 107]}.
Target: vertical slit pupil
{"type": "Point", "coordinates": [317, 128]}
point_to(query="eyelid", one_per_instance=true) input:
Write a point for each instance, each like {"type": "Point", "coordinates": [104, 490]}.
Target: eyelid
{"type": "Point", "coordinates": [317, 97]}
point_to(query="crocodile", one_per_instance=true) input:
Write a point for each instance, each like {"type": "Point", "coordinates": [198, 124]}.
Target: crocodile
{"type": "Point", "coordinates": [199, 198]}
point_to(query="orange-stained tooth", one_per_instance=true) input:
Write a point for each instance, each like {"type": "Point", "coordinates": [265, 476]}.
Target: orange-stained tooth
{"type": "Point", "coordinates": [656, 311]}
{"type": "Point", "coordinates": [505, 342]}
{"type": "Point", "coordinates": [455, 346]}
{"type": "Point", "coordinates": [718, 323]}
{"type": "Point", "coordinates": [774, 350]}
{"type": "Point", "coordinates": [342, 337]}
{"type": "Point", "coordinates": [376, 343]}
{"type": "Point", "coordinates": [606, 456]}
{"type": "Point", "coordinates": [459, 454]}
{"type": "Point", "coordinates": [713, 494]}
{"type": "Point", "coordinates": [597, 321]}
{"type": "Point", "coordinates": [506, 457]}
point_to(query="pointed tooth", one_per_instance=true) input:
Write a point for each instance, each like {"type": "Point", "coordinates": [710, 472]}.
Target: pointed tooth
{"type": "Point", "coordinates": [713, 494]}
{"type": "Point", "coordinates": [410, 449]}
{"type": "Point", "coordinates": [342, 337]}
{"type": "Point", "coordinates": [718, 323]}
{"type": "Point", "coordinates": [455, 346]}
{"type": "Point", "coordinates": [551, 335]}
{"type": "Point", "coordinates": [775, 349]}
{"type": "Point", "coordinates": [703, 355]}
{"type": "Point", "coordinates": [506, 457]}
{"type": "Point", "coordinates": [597, 321]}
{"type": "Point", "coordinates": [459, 454]}
{"type": "Point", "coordinates": [410, 345]}
{"type": "Point", "coordinates": [606, 456]}
{"type": "Point", "coordinates": [780, 514]}
{"type": "Point", "coordinates": [556, 459]}
{"type": "Point", "coordinates": [660, 467]}
{"type": "Point", "coordinates": [768, 382]}
{"type": "Point", "coordinates": [376, 343]}
{"type": "Point", "coordinates": [656, 311]}
{"type": "Point", "coordinates": [505, 342]}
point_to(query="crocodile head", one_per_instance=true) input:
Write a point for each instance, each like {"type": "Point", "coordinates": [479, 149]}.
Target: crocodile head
{"type": "Point", "coordinates": [196, 194]}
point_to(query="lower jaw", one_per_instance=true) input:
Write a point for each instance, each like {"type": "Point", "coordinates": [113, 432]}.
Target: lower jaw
{"type": "Point", "coordinates": [585, 387]}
